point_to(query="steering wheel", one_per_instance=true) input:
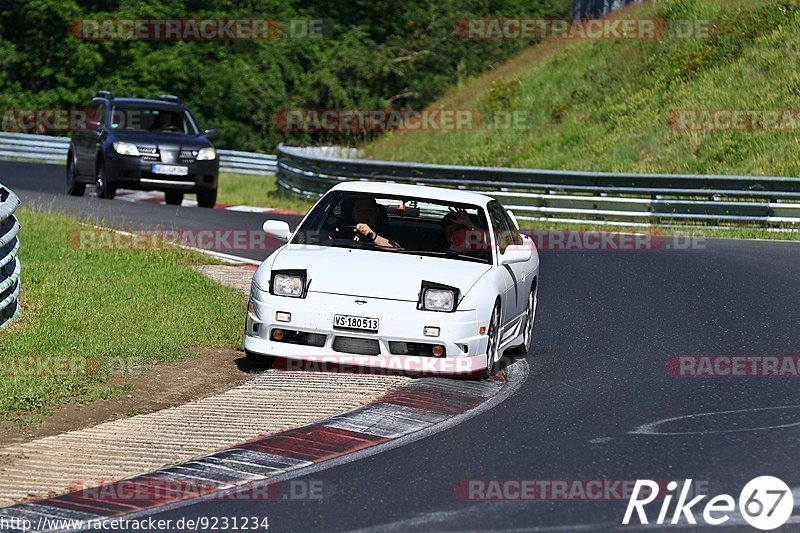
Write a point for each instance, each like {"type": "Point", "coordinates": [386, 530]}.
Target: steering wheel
{"type": "Point", "coordinates": [350, 227]}
{"type": "Point", "coordinates": [346, 228]}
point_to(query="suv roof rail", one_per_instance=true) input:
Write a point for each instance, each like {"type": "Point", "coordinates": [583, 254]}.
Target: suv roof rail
{"type": "Point", "coordinates": [170, 98]}
{"type": "Point", "coordinates": [106, 94]}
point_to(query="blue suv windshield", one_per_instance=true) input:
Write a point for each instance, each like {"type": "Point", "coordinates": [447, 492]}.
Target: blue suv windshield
{"type": "Point", "coordinates": [159, 120]}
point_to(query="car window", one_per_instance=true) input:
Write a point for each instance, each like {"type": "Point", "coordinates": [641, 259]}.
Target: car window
{"type": "Point", "coordinates": [96, 115]}
{"type": "Point", "coordinates": [502, 233]}
{"type": "Point", "coordinates": [414, 225]}
{"type": "Point", "coordinates": [157, 120]}
{"type": "Point", "coordinates": [516, 238]}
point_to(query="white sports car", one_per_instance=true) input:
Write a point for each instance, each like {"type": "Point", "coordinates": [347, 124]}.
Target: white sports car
{"type": "Point", "coordinates": [404, 277]}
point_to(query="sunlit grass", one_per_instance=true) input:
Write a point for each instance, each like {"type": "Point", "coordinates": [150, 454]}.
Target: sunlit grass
{"type": "Point", "coordinates": [109, 308]}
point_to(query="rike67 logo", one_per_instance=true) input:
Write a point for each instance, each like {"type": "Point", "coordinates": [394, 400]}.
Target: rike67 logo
{"type": "Point", "coordinates": [765, 503]}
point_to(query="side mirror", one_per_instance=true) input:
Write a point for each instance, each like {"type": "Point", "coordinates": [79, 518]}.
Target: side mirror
{"type": "Point", "coordinates": [516, 253]}
{"type": "Point", "coordinates": [278, 229]}
{"type": "Point", "coordinates": [210, 134]}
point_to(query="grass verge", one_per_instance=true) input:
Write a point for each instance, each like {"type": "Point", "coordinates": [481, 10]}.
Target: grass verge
{"type": "Point", "coordinates": [89, 313]}
{"type": "Point", "coordinates": [257, 191]}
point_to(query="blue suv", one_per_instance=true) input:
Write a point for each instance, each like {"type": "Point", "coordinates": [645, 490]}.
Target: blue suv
{"type": "Point", "coordinates": [150, 145]}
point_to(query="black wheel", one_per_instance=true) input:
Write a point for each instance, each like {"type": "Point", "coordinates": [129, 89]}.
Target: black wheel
{"type": "Point", "coordinates": [104, 188]}
{"type": "Point", "coordinates": [173, 197]}
{"type": "Point", "coordinates": [492, 348]}
{"type": "Point", "coordinates": [73, 187]}
{"type": "Point", "coordinates": [527, 334]}
{"type": "Point", "coordinates": [207, 198]}
{"type": "Point", "coordinates": [259, 360]}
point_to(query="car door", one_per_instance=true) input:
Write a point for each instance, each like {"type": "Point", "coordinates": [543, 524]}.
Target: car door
{"type": "Point", "coordinates": [85, 140]}
{"type": "Point", "coordinates": [513, 302]}
{"type": "Point", "coordinates": [523, 271]}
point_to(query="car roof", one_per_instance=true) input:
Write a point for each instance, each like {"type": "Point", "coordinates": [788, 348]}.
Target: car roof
{"type": "Point", "coordinates": [144, 102]}
{"type": "Point", "coordinates": [418, 191]}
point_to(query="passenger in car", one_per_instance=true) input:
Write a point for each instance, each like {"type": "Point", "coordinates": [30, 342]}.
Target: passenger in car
{"type": "Point", "coordinates": [461, 233]}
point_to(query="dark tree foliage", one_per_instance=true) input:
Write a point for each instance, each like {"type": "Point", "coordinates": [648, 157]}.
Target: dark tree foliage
{"type": "Point", "coordinates": [597, 8]}
{"type": "Point", "coordinates": [375, 54]}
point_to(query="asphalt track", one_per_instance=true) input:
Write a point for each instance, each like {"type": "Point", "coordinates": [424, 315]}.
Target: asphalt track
{"type": "Point", "coordinates": [607, 323]}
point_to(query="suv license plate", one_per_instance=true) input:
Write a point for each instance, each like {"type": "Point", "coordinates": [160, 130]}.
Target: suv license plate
{"type": "Point", "coordinates": [170, 170]}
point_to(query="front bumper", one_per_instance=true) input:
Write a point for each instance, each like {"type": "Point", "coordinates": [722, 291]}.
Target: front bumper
{"type": "Point", "coordinates": [130, 172]}
{"type": "Point", "coordinates": [400, 322]}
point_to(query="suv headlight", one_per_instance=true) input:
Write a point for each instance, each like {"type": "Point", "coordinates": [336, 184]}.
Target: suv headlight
{"type": "Point", "coordinates": [124, 148]}
{"type": "Point", "coordinates": [206, 154]}
{"type": "Point", "coordinates": [439, 300]}
{"type": "Point", "coordinates": [292, 284]}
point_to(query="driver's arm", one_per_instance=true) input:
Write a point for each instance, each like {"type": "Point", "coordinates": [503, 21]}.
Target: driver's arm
{"type": "Point", "coordinates": [383, 242]}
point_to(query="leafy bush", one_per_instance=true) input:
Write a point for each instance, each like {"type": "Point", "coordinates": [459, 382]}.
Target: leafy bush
{"type": "Point", "coordinates": [373, 56]}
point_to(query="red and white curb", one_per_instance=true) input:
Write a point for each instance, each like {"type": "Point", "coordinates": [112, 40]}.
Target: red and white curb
{"type": "Point", "coordinates": [155, 197]}
{"type": "Point", "coordinates": [421, 408]}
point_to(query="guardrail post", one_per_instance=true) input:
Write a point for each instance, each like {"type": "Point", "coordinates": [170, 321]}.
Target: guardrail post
{"type": "Point", "coordinates": [9, 261]}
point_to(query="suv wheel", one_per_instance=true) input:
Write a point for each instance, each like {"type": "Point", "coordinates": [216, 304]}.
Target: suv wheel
{"type": "Point", "coordinates": [104, 188]}
{"type": "Point", "coordinates": [173, 197]}
{"type": "Point", "coordinates": [207, 198]}
{"type": "Point", "coordinates": [73, 187]}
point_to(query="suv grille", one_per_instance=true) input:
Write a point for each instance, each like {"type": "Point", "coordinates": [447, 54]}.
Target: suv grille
{"type": "Point", "coordinates": [149, 153]}
{"type": "Point", "coordinates": [187, 156]}
{"type": "Point", "coordinates": [357, 346]}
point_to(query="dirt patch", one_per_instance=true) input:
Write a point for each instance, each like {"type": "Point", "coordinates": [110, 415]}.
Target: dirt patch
{"type": "Point", "coordinates": [156, 386]}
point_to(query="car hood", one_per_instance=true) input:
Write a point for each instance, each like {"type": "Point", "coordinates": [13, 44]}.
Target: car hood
{"type": "Point", "coordinates": [162, 140]}
{"type": "Point", "coordinates": [370, 273]}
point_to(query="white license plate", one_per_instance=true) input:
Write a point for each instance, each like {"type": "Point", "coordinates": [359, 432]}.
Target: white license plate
{"type": "Point", "coordinates": [171, 170]}
{"type": "Point", "coordinates": [355, 322]}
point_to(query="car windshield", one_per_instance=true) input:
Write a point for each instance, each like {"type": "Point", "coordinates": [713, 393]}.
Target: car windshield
{"type": "Point", "coordinates": [402, 225]}
{"type": "Point", "coordinates": [161, 120]}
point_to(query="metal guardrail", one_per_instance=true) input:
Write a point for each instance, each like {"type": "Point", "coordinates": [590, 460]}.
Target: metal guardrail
{"type": "Point", "coordinates": [54, 150]}
{"type": "Point", "coordinates": [28, 146]}
{"type": "Point", "coordinates": [640, 199]}
{"type": "Point", "coordinates": [247, 162]}
{"type": "Point", "coordinates": [9, 263]}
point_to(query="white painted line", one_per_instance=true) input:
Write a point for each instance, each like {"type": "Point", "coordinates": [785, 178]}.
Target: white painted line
{"type": "Point", "coordinates": [250, 209]}
{"type": "Point", "coordinates": [651, 427]}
